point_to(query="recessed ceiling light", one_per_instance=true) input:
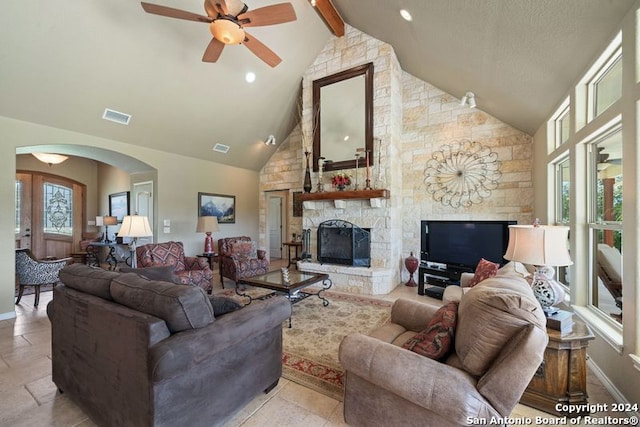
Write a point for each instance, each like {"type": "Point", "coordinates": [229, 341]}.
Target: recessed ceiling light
{"type": "Point", "coordinates": [250, 77]}
{"type": "Point", "coordinates": [405, 15]}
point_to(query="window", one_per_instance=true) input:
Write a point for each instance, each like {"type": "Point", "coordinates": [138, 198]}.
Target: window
{"type": "Point", "coordinates": [562, 127]}
{"type": "Point", "coordinates": [18, 205]}
{"type": "Point", "coordinates": [58, 209]}
{"type": "Point", "coordinates": [563, 206]}
{"type": "Point", "coordinates": [605, 225]}
{"type": "Point", "coordinates": [606, 86]}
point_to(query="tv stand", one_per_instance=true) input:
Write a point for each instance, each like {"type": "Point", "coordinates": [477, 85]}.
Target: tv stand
{"type": "Point", "coordinates": [432, 277]}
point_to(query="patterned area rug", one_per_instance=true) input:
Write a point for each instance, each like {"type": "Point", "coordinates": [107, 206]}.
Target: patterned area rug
{"type": "Point", "coordinates": [310, 346]}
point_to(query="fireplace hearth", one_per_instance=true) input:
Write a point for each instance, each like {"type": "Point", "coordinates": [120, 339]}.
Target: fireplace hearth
{"type": "Point", "coordinates": [344, 243]}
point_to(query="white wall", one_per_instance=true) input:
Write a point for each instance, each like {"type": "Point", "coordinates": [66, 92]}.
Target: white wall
{"type": "Point", "coordinates": [179, 179]}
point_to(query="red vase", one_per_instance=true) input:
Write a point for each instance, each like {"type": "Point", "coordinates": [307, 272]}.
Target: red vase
{"type": "Point", "coordinates": [411, 263]}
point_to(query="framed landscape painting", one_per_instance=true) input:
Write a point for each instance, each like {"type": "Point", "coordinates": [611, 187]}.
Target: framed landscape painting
{"type": "Point", "coordinates": [219, 205]}
{"type": "Point", "coordinates": [119, 205]}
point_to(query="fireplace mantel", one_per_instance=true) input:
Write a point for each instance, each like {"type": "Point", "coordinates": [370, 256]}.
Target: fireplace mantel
{"type": "Point", "coordinates": [339, 197]}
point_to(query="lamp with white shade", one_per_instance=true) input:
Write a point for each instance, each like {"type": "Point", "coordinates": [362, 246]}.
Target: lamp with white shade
{"type": "Point", "coordinates": [542, 246]}
{"type": "Point", "coordinates": [208, 225]}
{"type": "Point", "coordinates": [135, 226]}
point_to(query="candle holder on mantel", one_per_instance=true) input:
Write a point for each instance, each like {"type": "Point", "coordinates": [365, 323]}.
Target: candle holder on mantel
{"type": "Point", "coordinates": [368, 181]}
{"type": "Point", "coordinates": [320, 186]}
{"type": "Point", "coordinates": [411, 263]}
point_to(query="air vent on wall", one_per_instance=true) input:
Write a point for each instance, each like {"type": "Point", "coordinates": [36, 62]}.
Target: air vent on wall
{"type": "Point", "coordinates": [116, 116]}
{"type": "Point", "coordinates": [221, 148]}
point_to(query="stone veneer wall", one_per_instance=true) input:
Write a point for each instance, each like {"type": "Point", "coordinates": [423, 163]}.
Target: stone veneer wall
{"type": "Point", "coordinates": [412, 119]}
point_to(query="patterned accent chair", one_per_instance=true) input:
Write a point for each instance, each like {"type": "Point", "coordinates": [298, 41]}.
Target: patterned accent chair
{"type": "Point", "coordinates": [239, 258]}
{"type": "Point", "coordinates": [33, 272]}
{"type": "Point", "coordinates": [193, 271]}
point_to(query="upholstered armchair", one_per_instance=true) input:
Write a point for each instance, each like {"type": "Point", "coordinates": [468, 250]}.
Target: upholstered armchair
{"type": "Point", "coordinates": [190, 270]}
{"type": "Point", "coordinates": [33, 272]}
{"type": "Point", "coordinates": [496, 343]}
{"type": "Point", "coordinates": [239, 258]}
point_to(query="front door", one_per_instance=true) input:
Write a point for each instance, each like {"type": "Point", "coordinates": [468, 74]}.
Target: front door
{"type": "Point", "coordinates": [49, 214]}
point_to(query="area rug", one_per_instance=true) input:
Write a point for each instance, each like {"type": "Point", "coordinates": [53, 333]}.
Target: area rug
{"type": "Point", "coordinates": [310, 346]}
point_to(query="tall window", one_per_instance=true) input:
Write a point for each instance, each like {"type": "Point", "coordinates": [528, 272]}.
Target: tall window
{"type": "Point", "coordinates": [563, 205]}
{"type": "Point", "coordinates": [605, 225]}
{"type": "Point", "coordinates": [18, 205]}
{"type": "Point", "coordinates": [58, 209]}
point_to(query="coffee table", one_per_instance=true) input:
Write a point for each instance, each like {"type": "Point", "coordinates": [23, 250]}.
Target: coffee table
{"type": "Point", "coordinates": [292, 289]}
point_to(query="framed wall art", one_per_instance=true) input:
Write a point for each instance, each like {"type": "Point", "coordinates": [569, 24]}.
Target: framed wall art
{"type": "Point", "coordinates": [219, 205]}
{"type": "Point", "coordinates": [119, 205]}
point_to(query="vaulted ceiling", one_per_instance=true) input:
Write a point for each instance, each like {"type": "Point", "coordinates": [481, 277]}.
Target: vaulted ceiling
{"type": "Point", "coordinates": [62, 63]}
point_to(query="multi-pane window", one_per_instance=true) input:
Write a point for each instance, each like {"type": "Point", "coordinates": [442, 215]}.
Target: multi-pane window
{"type": "Point", "coordinates": [18, 205]}
{"type": "Point", "coordinates": [605, 225]}
{"type": "Point", "coordinates": [606, 86]}
{"type": "Point", "coordinates": [57, 209]}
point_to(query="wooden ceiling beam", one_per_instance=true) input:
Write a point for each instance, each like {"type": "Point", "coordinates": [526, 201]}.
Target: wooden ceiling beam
{"type": "Point", "coordinates": [330, 16]}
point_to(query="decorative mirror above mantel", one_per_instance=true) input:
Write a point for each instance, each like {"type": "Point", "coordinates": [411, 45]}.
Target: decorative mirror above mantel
{"type": "Point", "coordinates": [343, 116]}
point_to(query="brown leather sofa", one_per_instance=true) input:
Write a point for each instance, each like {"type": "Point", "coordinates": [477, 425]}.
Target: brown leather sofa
{"type": "Point", "coordinates": [131, 351]}
{"type": "Point", "coordinates": [499, 343]}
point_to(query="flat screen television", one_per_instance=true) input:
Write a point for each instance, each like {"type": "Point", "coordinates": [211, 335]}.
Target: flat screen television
{"type": "Point", "coordinates": [461, 244]}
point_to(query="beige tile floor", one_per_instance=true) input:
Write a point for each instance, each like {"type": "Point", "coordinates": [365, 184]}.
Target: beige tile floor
{"type": "Point", "coordinates": [29, 397]}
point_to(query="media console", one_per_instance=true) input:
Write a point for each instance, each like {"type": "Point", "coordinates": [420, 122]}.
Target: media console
{"type": "Point", "coordinates": [432, 280]}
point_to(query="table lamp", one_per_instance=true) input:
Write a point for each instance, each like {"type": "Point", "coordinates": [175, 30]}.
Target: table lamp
{"type": "Point", "coordinates": [542, 246]}
{"type": "Point", "coordinates": [107, 221]}
{"type": "Point", "coordinates": [207, 224]}
{"type": "Point", "coordinates": [135, 226]}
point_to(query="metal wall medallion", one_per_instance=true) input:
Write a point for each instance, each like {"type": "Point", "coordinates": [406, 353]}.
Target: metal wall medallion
{"type": "Point", "coordinates": [462, 173]}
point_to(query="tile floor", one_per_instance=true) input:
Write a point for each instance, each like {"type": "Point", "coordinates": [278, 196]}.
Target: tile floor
{"type": "Point", "coordinates": [29, 397]}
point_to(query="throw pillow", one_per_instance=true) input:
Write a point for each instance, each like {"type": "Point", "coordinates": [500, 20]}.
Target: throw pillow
{"type": "Point", "coordinates": [223, 305]}
{"type": "Point", "coordinates": [436, 340]}
{"type": "Point", "coordinates": [484, 270]}
{"type": "Point", "coordinates": [244, 249]}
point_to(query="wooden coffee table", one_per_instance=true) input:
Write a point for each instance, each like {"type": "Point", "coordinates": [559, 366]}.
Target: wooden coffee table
{"type": "Point", "coordinates": [292, 289]}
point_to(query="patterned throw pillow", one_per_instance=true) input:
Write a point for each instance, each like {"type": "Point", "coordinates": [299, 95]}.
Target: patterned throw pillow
{"type": "Point", "coordinates": [484, 270]}
{"type": "Point", "coordinates": [436, 340]}
{"type": "Point", "coordinates": [244, 250]}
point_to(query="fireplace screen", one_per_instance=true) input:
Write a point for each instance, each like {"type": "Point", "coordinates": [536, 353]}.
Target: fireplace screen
{"type": "Point", "coordinates": [341, 242]}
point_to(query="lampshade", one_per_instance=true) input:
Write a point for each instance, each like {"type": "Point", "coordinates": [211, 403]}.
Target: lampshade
{"type": "Point", "coordinates": [543, 245]}
{"type": "Point", "coordinates": [110, 220]}
{"type": "Point", "coordinates": [226, 31]}
{"type": "Point", "coordinates": [207, 224]}
{"type": "Point", "coordinates": [135, 226]}
{"type": "Point", "coordinates": [50, 158]}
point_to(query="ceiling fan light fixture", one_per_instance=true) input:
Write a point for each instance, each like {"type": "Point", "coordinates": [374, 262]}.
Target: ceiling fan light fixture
{"type": "Point", "coordinates": [226, 31]}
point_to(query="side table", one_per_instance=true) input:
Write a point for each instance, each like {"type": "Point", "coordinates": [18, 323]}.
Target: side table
{"type": "Point", "coordinates": [562, 376]}
{"type": "Point", "coordinates": [212, 257]}
{"type": "Point", "coordinates": [296, 245]}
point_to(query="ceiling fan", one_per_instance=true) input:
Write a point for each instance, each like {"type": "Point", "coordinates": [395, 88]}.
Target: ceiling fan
{"type": "Point", "coordinates": [227, 20]}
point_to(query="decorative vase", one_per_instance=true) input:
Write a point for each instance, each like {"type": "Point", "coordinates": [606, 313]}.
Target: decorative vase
{"type": "Point", "coordinates": [307, 175]}
{"type": "Point", "coordinates": [411, 263]}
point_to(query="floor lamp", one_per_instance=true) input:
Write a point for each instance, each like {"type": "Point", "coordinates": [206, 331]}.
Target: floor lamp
{"type": "Point", "coordinates": [135, 226]}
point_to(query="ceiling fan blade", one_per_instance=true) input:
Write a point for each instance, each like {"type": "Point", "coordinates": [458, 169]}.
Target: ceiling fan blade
{"type": "Point", "coordinates": [213, 51]}
{"type": "Point", "coordinates": [210, 7]}
{"type": "Point", "coordinates": [261, 51]}
{"type": "Point", "coordinates": [220, 6]}
{"type": "Point", "coordinates": [174, 13]}
{"type": "Point", "coordinates": [268, 15]}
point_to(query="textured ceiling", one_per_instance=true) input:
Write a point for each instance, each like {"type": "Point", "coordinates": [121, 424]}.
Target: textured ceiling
{"type": "Point", "coordinates": [63, 63]}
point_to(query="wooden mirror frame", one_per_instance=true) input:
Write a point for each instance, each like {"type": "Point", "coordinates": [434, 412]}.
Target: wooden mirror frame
{"type": "Point", "coordinates": [367, 71]}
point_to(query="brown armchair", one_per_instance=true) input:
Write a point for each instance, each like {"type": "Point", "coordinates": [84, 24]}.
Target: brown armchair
{"type": "Point", "coordinates": [190, 270]}
{"type": "Point", "coordinates": [239, 259]}
{"type": "Point", "coordinates": [500, 339]}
